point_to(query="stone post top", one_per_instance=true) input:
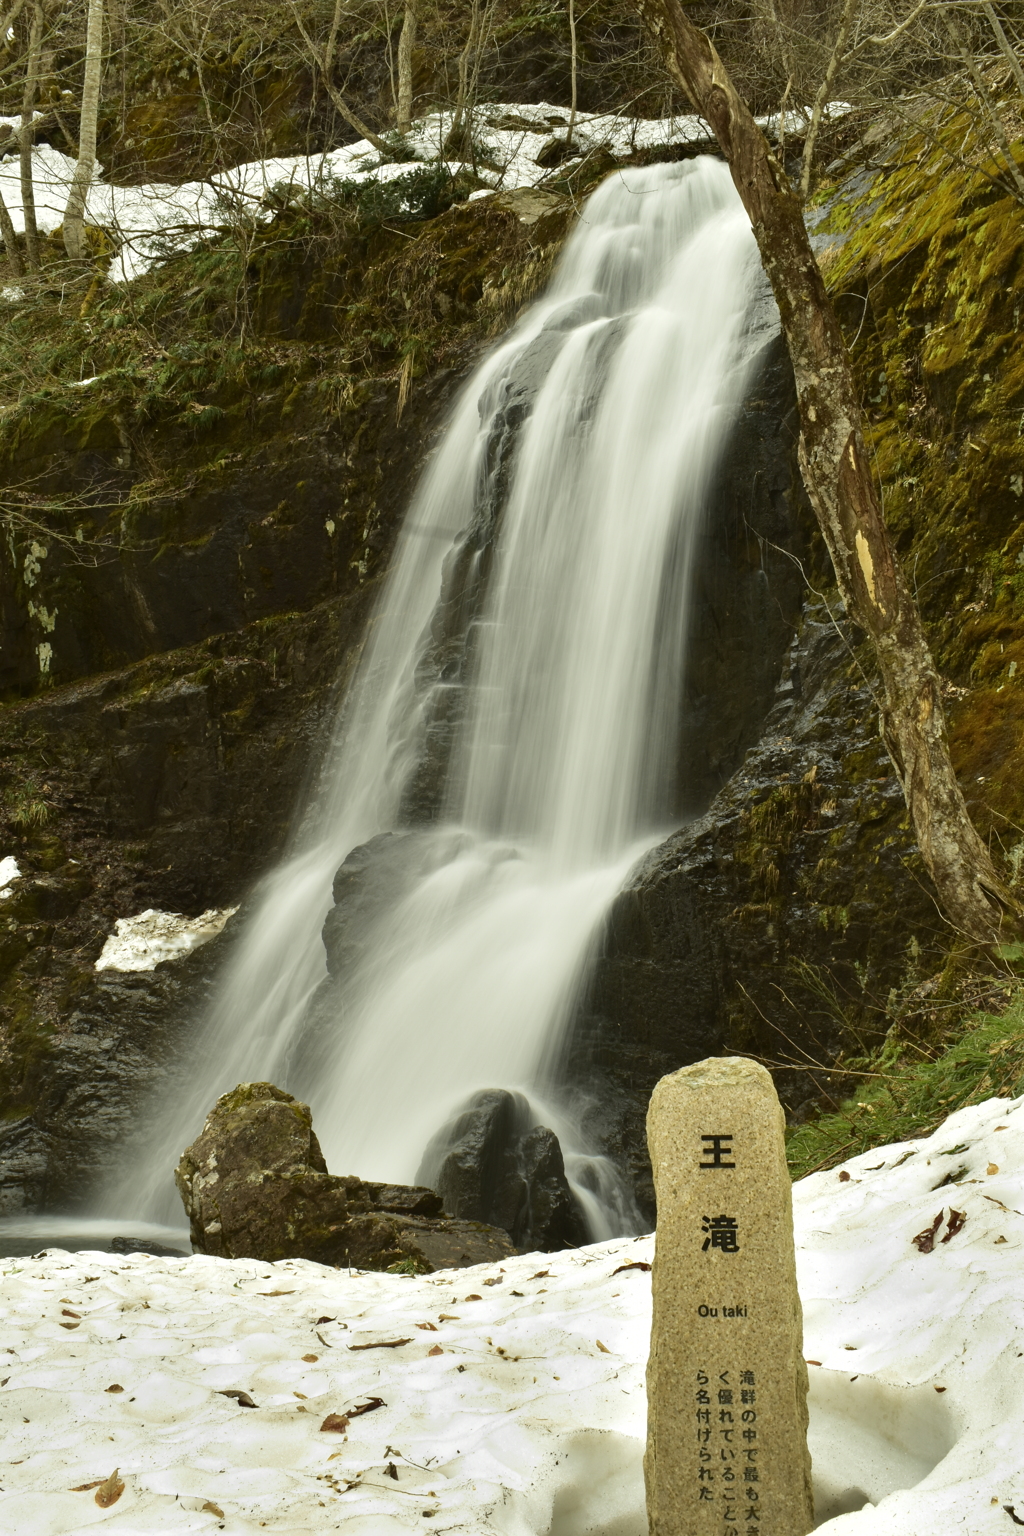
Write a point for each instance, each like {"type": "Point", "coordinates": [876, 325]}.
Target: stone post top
{"type": "Point", "coordinates": [719, 1072]}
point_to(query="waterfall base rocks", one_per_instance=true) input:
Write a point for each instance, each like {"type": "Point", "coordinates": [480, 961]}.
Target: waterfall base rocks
{"type": "Point", "coordinates": [255, 1185]}
{"type": "Point", "coordinates": [492, 1164]}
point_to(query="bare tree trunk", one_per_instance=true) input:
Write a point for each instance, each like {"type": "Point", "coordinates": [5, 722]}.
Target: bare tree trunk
{"type": "Point", "coordinates": [837, 474]}
{"type": "Point", "coordinates": [14, 260]}
{"type": "Point", "coordinates": [74, 213]}
{"type": "Point", "coordinates": [26, 138]}
{"type": "Point", "coordinates": [453, 142]}
{"type": "Point", "coordinates": [847, 20]}
{"type": "Point", "coordinates": [406, 44]}
{"type": "Point", "coordinates": [1005, 46]}
{"type": "Point", "coordinates": [325, 64]}
{"type": "Point", "coordinates": [572, 65]}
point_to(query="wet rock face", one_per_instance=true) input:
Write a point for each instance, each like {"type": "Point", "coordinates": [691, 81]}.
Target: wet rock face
{"type": "Point", "coordinates": [255, 1185]}
{"type": "Point", "coordinates": [775, 924]}
{"type": "Point", "coordinates": [492, 1164]}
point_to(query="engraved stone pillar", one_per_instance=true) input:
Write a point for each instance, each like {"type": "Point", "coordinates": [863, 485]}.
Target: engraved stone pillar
{"type": "Point", "coordinates": [726, 1382]}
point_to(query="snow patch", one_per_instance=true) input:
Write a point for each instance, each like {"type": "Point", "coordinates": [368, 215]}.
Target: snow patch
{"type": "Point", "coordinates": [152, 221]}
{"type": "Point", "coordinates": [142, 943]}
{"type": "Point", "coordinates": [8, 871]}
{"type": "Point", "coordinates": [516, 1406]}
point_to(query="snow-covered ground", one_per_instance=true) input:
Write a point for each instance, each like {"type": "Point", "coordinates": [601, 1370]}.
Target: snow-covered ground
{"type": "Point", "coordinates": [514, 1403]}
{"type": "Point", "coordinates": [144, 219]}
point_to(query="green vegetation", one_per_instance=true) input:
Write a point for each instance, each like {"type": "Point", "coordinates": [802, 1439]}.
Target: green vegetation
{"type": "Point", "coordinates": [906, 1089]}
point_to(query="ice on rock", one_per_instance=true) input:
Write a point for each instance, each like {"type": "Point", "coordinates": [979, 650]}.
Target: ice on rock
{"type": "Point", "coordinates": [142, 943]}
{"type": "Point", "coordinates": [523, 1424]}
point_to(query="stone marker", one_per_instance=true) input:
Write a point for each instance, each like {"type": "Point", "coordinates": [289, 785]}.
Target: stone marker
{"type": "Point", "coordinates": [726, 1382]}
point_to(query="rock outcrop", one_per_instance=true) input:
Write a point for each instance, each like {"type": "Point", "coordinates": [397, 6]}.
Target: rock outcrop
{"type": "Point", "coordinates": [491, 1163]}
{"type": "Point", "coordinates": [255, 1185]}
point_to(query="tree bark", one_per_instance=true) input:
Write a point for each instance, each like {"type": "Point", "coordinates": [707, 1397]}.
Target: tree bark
{"type": "Point", "coordinates": [26, 138]}
{"type": "Point", "coordinates": [837, 475]}
{"type": "Point", "coordinates": [10, 240]}
{"type": "Point", "coordinates": [406, 44]}
{"type": "Point", "coordinates": [74, 214]}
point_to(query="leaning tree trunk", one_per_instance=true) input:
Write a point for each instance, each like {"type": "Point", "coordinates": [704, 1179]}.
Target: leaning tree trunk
{"type": "Point", "coordinates": [837, 474]}
{"type": "Point", "coordinates": [74, 214]}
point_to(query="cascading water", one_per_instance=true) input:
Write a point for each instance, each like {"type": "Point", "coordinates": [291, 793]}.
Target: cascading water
{"type": "Point", "coordinates": [534, 624]}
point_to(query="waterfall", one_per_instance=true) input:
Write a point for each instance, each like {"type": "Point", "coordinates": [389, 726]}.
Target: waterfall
{"type": "Point", "coordinates": [514, 717]}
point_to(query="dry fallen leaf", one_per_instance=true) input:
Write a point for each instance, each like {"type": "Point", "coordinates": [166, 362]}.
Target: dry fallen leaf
{"type": "Point", "coordinates": [82, 1487]}
{"type": "Point", "coordinates": [336, 1423]}
{"type": "Point", "coordinates": [992, 1168]}
{"type": "Point", "coordinates": [109, 1492]}
{"type": "Point", "coordinates": [115, 1386]}
{"type": "Point", "coordinates": [925, 1240]}
{"type": "Point", "coordinates": [68, 1313]}
{"type": "Point", "coordinates": [241, 1398]}
{"type": "Point", "coordinates": [954, 1225]}
{"type": "Point", "coordinates": [437, 1350]}
{"type": "Point", "coordinates": [844, 1177]}
{"type": "Point", "coordinates": [448, 1317]}
{"type": "Point", "coordinates": [474, 1297]}
{"type": "Point", "coordinates": [311, 1359]}
{"type": "Point", "coordinates": [274, 1293]}
{"type": "Point", "coordinates": [383, 1343]}
{"type": "Point", "coordinates": [430, 1327]}
{"type": "Point", "coordinates": [603, 1348]}
{"type": "Point", "coordinates": [494, 1280]}
{"type": "Point", "coordinates": [323, 1320]}
{"type": "Point", "coordinates": [636, 1264]}
{"type": "Point", "coordinates": [71, 1325]}
{"type": "Point", "coordinates": [210, 1508]}
{"type": "Point", "coordinates": [542, 1274]}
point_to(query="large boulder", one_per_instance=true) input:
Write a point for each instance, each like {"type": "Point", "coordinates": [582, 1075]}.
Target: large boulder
{"type": "Point", "coordinates": [491, 1163]}
{"type": "Point", "coordinates": [255, 1185]}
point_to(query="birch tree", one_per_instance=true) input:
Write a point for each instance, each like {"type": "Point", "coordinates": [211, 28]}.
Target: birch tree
{"type": "Point", "coordinates": [74, 214]}
{"type": "Point", "coordinates": [836, 472]}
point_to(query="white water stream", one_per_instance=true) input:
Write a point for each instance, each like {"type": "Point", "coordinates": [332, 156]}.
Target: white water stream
{"type": "Point", "coordinates": [563, 769]}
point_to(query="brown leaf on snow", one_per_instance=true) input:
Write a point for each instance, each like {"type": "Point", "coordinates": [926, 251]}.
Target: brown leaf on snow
{"type": "Point", "coordinates": [542, 1274]}
{"type": "Point", "coordinates": [109, 1492]}
{"type": "Point", "coordinates": [115, 1386]}
{"type": "Point", "coordinates": [382, 1344]}
{"type": "Point", "coordinates": [241, 1398]}
{"type": "Point", "coordinates": [992, 1168]}
{"type": "Point", "coordinates": [71, 1325]}
{"type": "Point", "coordinates": [437, 1350]}
{"type": "Point", "coordinates": [844, 1177]}
{"type": "Point", "coordinates": [335, 1423]}
{"type": "Point", "coordinates": [323, 1320]}
{"type": "Point", "coordinates": [87, 1487]}
{"type": "Point", "coordinates": [636, 1264]}
{"type": "Point", "coordinates": [367, 1407]}
{"type": "Point", "coordinates": [311, 1359]}
{"type": "Point", "coordinates": [210, 1508]}
{"type": "Point", "coordinates": [925, 1241]}
{"type": "Point", "coordinates": [430, 1327]}
{"type": "Point", "coordinates": [955, 1224]}
{"type": "Point", "coordinates": [603, 1348]}
{"type": "Point", "coordinates": [66, 1312]}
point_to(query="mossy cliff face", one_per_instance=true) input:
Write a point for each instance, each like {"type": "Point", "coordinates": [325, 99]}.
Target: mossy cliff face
{"type": "Point", "coordinates": [791, 917]}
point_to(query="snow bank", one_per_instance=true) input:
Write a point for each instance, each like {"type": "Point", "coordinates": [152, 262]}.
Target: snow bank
{"type": "Point", "coordinates": [149, 220]}
{"type": "Point", "coordinates": [515, 1405]}
{"type": "Point", "coordinates": [142, 943]}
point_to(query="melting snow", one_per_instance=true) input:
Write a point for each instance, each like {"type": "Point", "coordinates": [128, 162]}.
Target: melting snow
{"type": "Point", "coordinates": [149, 221]}
{"type": "Point", "coordinates": [142, 943]}
{"type": "Point", "coordinates": [516, 1405]}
